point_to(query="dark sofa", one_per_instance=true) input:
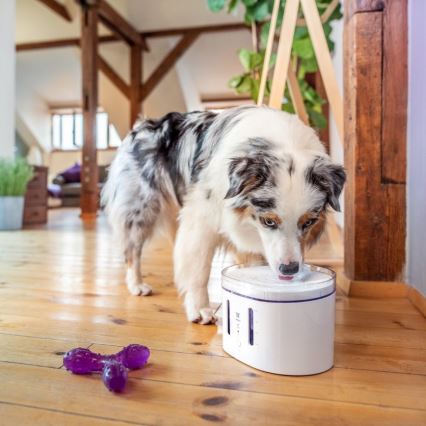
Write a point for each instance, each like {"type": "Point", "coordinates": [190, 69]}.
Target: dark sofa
{"type": "Point", "coordinates": [70, 184]}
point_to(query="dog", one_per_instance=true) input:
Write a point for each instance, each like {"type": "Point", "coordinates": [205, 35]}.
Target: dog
{"type": "Point", "coordinates": [254, 179]}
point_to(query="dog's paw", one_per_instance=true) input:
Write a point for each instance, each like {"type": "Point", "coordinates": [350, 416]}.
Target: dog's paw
{"type": "Point", "coordinates": [141, 289]}
{"type": "Point", "coordinates": [204, 316]}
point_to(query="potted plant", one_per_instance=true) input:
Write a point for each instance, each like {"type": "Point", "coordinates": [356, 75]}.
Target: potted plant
{"type": "Point", "coordinates": [14, 177]}
{"type": "Point", "coordinates": [258, 16]}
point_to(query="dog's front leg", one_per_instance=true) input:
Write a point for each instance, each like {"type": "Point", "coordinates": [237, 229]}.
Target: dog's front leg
{"type": "Point", "coordinates": [193, 253]}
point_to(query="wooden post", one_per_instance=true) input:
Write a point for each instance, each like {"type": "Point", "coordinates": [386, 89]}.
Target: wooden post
{"type": "Point", "coordinates": [135, 82]}
{"type": "Point", "coordinates": [89, 62]}
{"type": "Point", "coordinates": [374, 204]}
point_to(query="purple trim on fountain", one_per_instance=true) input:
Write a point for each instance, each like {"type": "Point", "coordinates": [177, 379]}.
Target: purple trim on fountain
{"type": "Point", "coordinates": [279, 301]}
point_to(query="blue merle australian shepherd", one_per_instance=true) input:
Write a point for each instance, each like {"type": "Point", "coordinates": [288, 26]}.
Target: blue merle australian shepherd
{"type": "Point", "coordinates": [252, 178]}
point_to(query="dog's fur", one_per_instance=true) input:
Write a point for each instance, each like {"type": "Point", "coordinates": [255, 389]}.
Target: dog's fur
{"type": "Point", "coordinates": [253, 178]}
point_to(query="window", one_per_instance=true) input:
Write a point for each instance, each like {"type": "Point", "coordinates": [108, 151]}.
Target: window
{"type": "Point", "coordinates": [67, 131]}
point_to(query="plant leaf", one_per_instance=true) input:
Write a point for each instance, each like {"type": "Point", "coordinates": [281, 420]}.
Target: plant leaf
{"type": "Point", "coordinates": [264, 33]}
{"type": "Point", "coordinates": [246, 85]}
{"type": "Point", "coordinates": [234, 82]}
{"type": "Point", "coordinates": [301, 32]}
{"type": "Point", "coordinates": [327, 29]}
{"type": "Point", "coordinates": [14, 176]}
{"type": "Point", "coordinates": [317, 119]}
{"type": "Point", "coordinates": [270, 5]}
{"type": "Point", "coordinates": [337, 14]}
{"type": "Point", "coordinates": [268, 87]}
{"type": "Point", "coordinates": [245, 58]}
{"type": "Point", "coordinates": [288, 107]}
{"type": "Point", "coordinates": [260, 11]}
{"type": "Point", "coordinates": [256, 60]}
{"type": "Point", "coordinates": [302, 54]}
{"type": "Point", "coordinates": [232, 5]}
{"type": "Point", "coordinates": [248, 16]}
{"type": "Point", "coordinates": [303, 48]}
{"type": "Point", "coordinates": [310, 64]}
{"type": "Point", "coordinates": [216, 5]}
{"type": "Point", "coordinates": [280, 14]}
{"type": "Point", "coordinates": [255, 89]}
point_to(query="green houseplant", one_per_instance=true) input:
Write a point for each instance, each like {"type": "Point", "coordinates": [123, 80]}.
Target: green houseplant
{"type": "Point", "coordinates": [14, 177]}
{"type": "Point", "coordinates": [258, 15]}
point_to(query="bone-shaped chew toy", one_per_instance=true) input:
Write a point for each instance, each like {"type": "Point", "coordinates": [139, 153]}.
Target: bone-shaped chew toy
{"type": "Point", "coordinates": [113, 367]}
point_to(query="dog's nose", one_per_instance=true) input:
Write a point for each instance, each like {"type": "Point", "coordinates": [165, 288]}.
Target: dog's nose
{"type": "Point", "coordinates": [289, 269]}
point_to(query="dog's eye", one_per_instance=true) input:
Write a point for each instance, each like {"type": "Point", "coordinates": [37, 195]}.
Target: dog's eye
{"type": "Point", "coordinates": [269, 223]}
{"type": "Point", "coordinates": [308, 223]}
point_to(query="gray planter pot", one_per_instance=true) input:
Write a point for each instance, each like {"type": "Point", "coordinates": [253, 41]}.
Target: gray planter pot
{"type": "Point", "coordinates": [11, 213]}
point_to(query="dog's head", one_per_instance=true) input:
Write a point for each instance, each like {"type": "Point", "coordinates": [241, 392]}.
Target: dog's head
{"type": "Point", "coordinates": [284, 196]}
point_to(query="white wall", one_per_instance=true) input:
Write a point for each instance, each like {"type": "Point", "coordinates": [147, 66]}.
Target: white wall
{"type": "Point", "coordinates": [7, 78]}
{"type": "Point", "coordinates": [26, 136]}
{"type": "Point", "coordinates": [57, 161]}
{"type": "Point", "coordinates": [34, 112]}
{"type": "Point", "coordinates": [35, 21]}
{"type": "Point", "coordinates": [167, 96]}
{"type": "Point", "coordinates": [147, 15]}
{"type": "Point", "coordinates": [416, 202]}
{"type": "Point", "coordinates": [336, 145]}
{"type": "Point", "coordinates": [54, 75]}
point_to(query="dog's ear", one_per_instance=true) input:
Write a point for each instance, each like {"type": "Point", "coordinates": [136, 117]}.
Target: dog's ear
{"type": "Point", "coordinates": [246, 174]}
{"type": "Point", "coordinates": [329, 178]}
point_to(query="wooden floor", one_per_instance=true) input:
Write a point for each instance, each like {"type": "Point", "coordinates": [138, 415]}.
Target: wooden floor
{"type": "Point", "coordinates": [61, 286]}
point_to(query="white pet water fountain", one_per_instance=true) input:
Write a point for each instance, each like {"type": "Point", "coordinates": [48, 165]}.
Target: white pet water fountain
{"type": "Point", "coordinates": [282, 327]}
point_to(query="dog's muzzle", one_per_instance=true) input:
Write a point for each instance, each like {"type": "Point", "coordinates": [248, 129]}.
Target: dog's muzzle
{"type": "Point", "coordinates": [291, 268]}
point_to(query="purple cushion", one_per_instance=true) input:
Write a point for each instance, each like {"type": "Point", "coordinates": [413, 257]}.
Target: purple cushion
{"type": "Point", "coordinates": [72, 174]}
{"type": "Point", "coordinates": [54, 190]}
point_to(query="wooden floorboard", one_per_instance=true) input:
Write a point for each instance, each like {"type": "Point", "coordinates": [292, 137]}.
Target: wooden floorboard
{"type": "Point", "coordinates": [23, 415]}
{"type": "Point", "coordinates": [154, 402]}
{"type": "Point", "coordinates": [61, 286]}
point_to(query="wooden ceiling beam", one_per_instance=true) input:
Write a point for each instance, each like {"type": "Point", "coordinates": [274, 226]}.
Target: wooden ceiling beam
{"type": "Point", "coordinates": [57, 8]}
{"type": "Point", "coordinates": [167, 63]}
{"type": "Point", "coordinates": [48, 44]}
{"type": "Point", "coordinates": [66, 42]}
{"type": "Point", "coordinates": [118, 82]}
{"type": "Point", "coordinates": [225, 98]}
{"type": "Point", "coordinates": [118, 25]}
{"type": "Point", "coordinates": [201, 29]}
{"type": "Point", "coordinates": [145, 34]}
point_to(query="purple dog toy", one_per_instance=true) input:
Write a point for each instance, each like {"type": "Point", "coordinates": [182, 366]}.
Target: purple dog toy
{"type": "Point", "coordinates": [114, 376]}
{"type": "Point", "coordinates": [113, 367]}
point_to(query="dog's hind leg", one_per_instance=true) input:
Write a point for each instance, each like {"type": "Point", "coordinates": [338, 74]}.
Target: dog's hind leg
{"type": "Point", "coordinates": [139, 228]}
{"type": "Point", "coordinates": [134, 278]}
{"type": "Point", "coordinates": [193, 253]}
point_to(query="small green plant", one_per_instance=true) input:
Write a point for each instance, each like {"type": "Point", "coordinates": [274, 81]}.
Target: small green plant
{"type": "Point", "coordinates": [14, 177]}
{"type": "Point", "coordinates": [258, 15]}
